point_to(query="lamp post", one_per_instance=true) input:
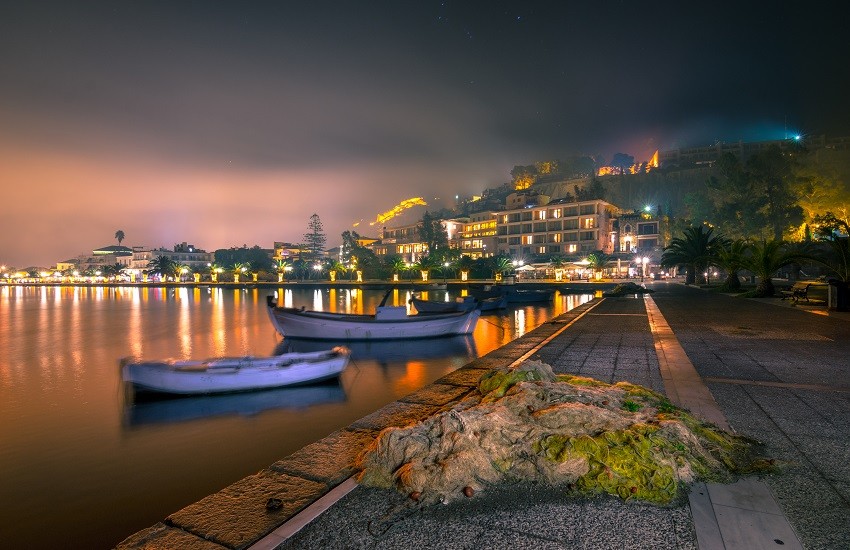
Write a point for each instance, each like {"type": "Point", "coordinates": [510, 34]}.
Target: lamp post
{"type": "Point", "coordinates": [644, 261]}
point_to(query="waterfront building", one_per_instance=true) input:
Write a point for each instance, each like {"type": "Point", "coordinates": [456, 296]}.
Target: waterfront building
{"type": "Point", "coordinates": [100, 258]}
{"type": "Point", "coordinates": [542, 228]}
{"type": "Point", "coordinates": [288, 252]}
{"type": "Point", "coordinates": [404, 241]}
{"type": "Point", "coordinates": [184, 254]}
{"type": "Point", "coordinates": [476, 236]}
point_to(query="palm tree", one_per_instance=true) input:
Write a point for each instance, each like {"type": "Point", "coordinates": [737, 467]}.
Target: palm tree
{"type": "Point", "coordinates": [836, 258]}
{"type": "Point", "coordinates": [768, 257]}
{"type": "Point", "coordinates": [397, 265]}
{"type": "Point", "coordinates": [730, 256]}
{"type": "Point", "coordinates": [596, 261]}
{"type": "Point", "coordinates": [112, 271]}
{"type": "Point", "coordinates": [425, 264]}
{"type": "Point", "coordinates": [120, 236]}
{"type": "Point", "coordinates": [163, 266]}
{"type": "Point", "coordinates": [336, 267]}
{"type": "Point", "coordinates": [694, 249]}
{"type": "Point", "coordinates": [238, 269]}
{"type": "Point", "coordinates": [501, 265]}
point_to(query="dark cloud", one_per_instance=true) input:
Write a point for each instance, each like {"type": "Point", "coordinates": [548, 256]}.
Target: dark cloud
{"type": "Point", "coordinates": [400, 99]}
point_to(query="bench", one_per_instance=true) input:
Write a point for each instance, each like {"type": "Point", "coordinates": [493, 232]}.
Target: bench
{"type": "Point", "coordinates": [806, 290]}
{"type": "Point", "coordinates": [798, 291]}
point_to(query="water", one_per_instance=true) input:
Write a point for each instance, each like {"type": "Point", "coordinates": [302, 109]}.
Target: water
{"type": "Point", "coordinates": [85, 464]}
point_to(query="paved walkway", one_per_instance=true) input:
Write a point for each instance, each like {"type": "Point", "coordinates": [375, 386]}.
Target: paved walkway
{"type": "Point", "coordinates": [778, 375]}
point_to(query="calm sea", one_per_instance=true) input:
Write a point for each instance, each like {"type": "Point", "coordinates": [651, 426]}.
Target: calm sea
{"type": "Point", "coordinates": [85, 464]}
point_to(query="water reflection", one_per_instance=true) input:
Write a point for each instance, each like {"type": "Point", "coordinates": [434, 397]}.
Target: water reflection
{"type": "Point", "coordinates": [141, 411]}
{"type": "Point", "coordinates": [62, 411]}
{"type": "Point", "coordinates": [390, 351]}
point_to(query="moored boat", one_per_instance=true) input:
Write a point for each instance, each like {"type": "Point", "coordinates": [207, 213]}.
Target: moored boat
{"type": "Point", "coordinates": [388, 323]}
{"type": "Point", "coordinates": [234, 374]}
{"type": "Point", "coordinates": [529, 295]}
{"type": "Point", "coordinates": [493, 303]}
{"type": "Point", "coordinates": [436, 306]}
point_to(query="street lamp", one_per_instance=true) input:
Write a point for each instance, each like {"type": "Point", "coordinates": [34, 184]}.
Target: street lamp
{"type": "Point", "coordinates": [644, 261]}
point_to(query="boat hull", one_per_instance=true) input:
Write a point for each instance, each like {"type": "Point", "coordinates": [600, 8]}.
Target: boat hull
{"type": "Point", "coordinates": [294, 323]}
{"type": "Point", "coordinates": [436, 306]}
{"type": "Point", "coordinates": [235, 375]}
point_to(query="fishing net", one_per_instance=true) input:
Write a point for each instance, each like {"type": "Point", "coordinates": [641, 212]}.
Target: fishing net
{"type": "Point", "coordinates": [529, 424]}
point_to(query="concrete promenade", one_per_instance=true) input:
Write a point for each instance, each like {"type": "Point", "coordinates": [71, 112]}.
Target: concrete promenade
{"type": "Point", "coordinates": [776, 374]}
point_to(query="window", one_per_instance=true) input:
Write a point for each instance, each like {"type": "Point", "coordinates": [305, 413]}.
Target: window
{"type": "Point", "coordinates": [526, 228]}
{"type": "Point", "coordinates": [588, 209]}
{"type": "Point", "coordinates": [570, 224]}
{"type": "Point", "coordinates": [648, 229]}
{"type": "Point", "coordinates": [539, 214]}
{"type": "Point", "coordinates": [556, 213]}
{"type": "Point", "coordinates": [587, 236]}
{"type": "Point", "coordinates": [587, 223]}
{"type": "Point", "coordinates": [540, 227]}
{"type": "Point", "coordinates": [541, 250]}
{"type": "Point", "coordinates": [554, 237]}
{"type": "Point", "coordinates": [628, 229]}
{"type": "Point", "coordinates": [571, 248]}
{"type": "Point", "coordinates": [527, 239]}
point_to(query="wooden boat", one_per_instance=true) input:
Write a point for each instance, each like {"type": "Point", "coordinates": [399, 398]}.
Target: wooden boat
{"type": "Point", "coordinates": [388, 323]}
{"type": "Point", "coordinates": [234, 374]}
{"type": "Point", "coordinates": [529, 295]}
{"type": "Point", "coordinates": [493, 303]}
{"type": "Point", "coordinates": [437, 306]}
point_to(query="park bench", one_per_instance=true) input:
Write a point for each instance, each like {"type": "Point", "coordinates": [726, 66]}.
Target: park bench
{"type": "Point", "coordinates": [799, 290]}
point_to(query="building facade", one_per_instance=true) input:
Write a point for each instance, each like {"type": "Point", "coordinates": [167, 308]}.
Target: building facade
{"type": "Point", "coordinates": [557, 228]}
{"type": "Point", "coordinates": [476, 236]}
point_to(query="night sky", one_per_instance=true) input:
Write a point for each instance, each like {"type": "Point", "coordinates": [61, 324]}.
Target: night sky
{"type": "Point", "coordinates": [230, 123]}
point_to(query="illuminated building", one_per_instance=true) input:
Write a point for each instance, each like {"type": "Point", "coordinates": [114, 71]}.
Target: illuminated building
{"type": "Point", "coordinates": [555, 228]}
{"type": "Point", "coordinates": [476, 237]}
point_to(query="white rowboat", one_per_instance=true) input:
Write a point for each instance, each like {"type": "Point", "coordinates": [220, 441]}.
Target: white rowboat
{"type": "Point", "coordinates": [388, 323]}
{"type": "Point", "coordinates": [235, 374]}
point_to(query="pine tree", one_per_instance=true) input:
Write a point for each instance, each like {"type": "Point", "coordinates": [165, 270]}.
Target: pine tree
{"type": "Point", "coordinates": [316, 238]}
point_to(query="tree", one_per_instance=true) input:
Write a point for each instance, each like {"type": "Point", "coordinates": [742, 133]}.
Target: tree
{"type": "Point", "coordinates": [315, 238]}
{"type": "Point", "coordinates": [425, 264]}
{"type": "Point", "coordinates": [773, 174]}
{"type": "Point", "coordinates": [836, 258]}
{"type": "Point", "coordinates": [112, 271]}
{"type": "Point", "coordinates": [432, 233]}
{"type": "Point", "coordinates": [163, 266]}
{"type": "Point", "coordinates": [694, 249]}
{"type": "Point", "coordinates": [501, 264]}
{"type": "Point", "coordinates": [768, 257]}
{"type": "Point", "coordinates": [730, 256]}
{"type": "Point", "coordinates": [596, 261]}
{"type": "Point", "coordinates": [120, 236]}
{"type": "Point", "coordinates": [239, 269]}
{"type": "Point", "coordinates": [523, 177]}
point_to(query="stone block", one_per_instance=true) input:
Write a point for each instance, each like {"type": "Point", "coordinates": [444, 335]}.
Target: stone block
{"type": "Point", "coordinates": [466, 377]}
{"type": "Point", "coordinates": [328, 460]}
{"type": "Point", "coordinates": [436, 394]}
{"type": "Point", "coordinates": [237, 517]}
{"type": "Point", "coordinates": [162, 536]}
{"type": "Point", "coordinates": [395, 414]}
